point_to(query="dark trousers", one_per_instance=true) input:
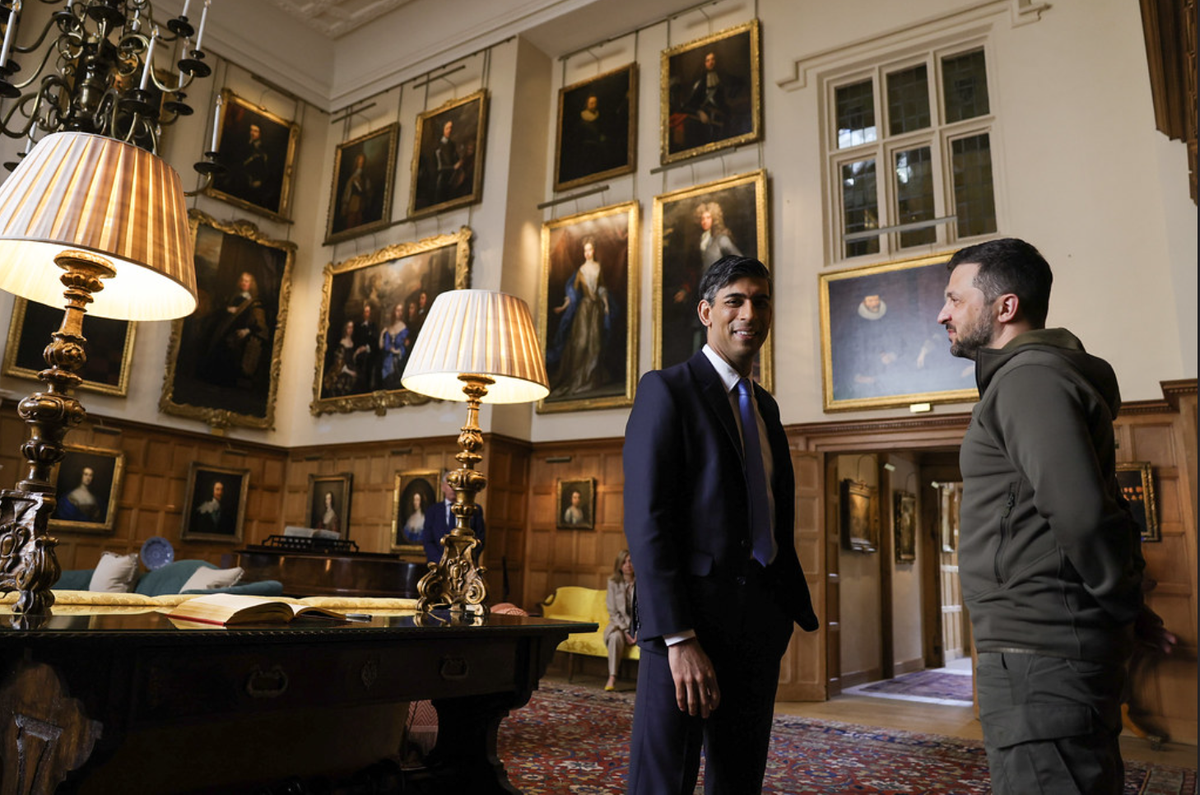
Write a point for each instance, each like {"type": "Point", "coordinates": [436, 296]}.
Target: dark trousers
{"type": "Point", "coordinates": [1051, 725]}
{"type": "Point", "coordinates": [745, 635]}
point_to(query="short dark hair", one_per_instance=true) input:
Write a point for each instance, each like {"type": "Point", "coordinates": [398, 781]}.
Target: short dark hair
{"type": "Point", "coordinates": [1010, 265]}
{"type": "Point", "coordinates": [729, 269]}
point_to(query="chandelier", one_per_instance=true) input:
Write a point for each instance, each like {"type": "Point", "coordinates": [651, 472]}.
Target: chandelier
{"type": "Point", "coordinates": [91, 69]}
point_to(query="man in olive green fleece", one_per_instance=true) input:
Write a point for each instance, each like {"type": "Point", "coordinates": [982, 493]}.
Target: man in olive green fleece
{"type": "Point", "coordinates": [1049, 555]}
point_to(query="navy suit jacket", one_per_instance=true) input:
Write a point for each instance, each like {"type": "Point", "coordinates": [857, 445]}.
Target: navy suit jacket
{"type": "Point", "coordinates": [436, 527]}
{"type": "Point", "coordinates": [687, 504]}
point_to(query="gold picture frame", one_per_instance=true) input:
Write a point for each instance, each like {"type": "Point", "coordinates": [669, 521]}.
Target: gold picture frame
{"type": "Point", "coordinates": [881, 344]}
{"type": "Point", "coordinates": [904, 525]}
{"type": "Point", "coordinates": [215, 373]}
{"type": "Point", "coordinates": [1136, 481]}
{"type": "Point", "coordinates": [574, 312]}
{"type": "Point", "coordinates": [700, 114]}
{"type": "Point", "coordinates": [224, 522]}
{"type": "Point", "coordinates": [360, 200]}
{"type": "Point", "coordinates": [737, 209]}
{"type": "Point", "coordinates": [109, 347]}
{"type": "Point", "coordinates": [354, 372]}
{"type": "Point", "coordinates": [596, 140]}
{"type": "Point", "coordinates": [859, 516]}
{"type": "Point", "coordinates": [259, 166]}
{"type": "Point", "coordinates": [571, 513]}
{"type": "Point", "coordinates": [460, 180]}
{"type": "Point", "coordinates": [88, 489]}
{"type": "Point", "coordinates": [329, 503]}
{"type": "Point", "coordinates": [408, 518]}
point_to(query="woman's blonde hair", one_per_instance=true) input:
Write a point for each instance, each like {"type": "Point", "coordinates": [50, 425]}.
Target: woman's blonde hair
{"type": "Point", "coordinates": [618, 575]}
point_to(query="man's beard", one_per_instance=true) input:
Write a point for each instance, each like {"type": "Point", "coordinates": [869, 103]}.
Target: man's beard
{"type": "Point", "coordinates": [967, 344]}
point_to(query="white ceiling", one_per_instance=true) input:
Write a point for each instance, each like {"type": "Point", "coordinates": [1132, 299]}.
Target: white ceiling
{"type": "Point", "coordinates": [334, 18]}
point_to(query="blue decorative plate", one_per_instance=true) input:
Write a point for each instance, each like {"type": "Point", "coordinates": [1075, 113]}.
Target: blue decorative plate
{"type": "Point", "coordinates": [157, 552]}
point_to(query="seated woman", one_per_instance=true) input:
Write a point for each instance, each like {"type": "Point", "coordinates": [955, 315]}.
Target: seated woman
{"type": "Point", "coordinates": [619, 600]}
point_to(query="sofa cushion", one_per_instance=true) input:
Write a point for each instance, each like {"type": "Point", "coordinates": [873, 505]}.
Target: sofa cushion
{"type": "Point", "coordinates": [114, 573]}
{"type": "Point", "coordinates": [206, 579]}
{"type": "Point", "coordinates": [170, 578]}
{"type": "Point", "coordinates": [74, 580]}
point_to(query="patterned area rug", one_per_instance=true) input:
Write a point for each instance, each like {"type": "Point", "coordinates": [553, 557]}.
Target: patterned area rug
{"type": "Point", "coordinates": [933, 686]}
{"type": "Point", "coordinates": [574, 740]}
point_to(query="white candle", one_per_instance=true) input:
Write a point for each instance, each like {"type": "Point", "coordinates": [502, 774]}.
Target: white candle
{"type": "Point", "coordinates": [216, 124]}
{"type": "Point", "coordinates": [182, 74]}
{"type": "Point", "coordinates": [10, 32]}
{"type": "Point", "coordinates": [203, 19]}
{"type": "Point", "coordinates": [148, 63]}
{"type": "Point", "coordinates": [183, 13]}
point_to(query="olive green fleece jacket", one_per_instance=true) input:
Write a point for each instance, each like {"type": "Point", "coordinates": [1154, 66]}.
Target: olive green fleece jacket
{"type": "Point", "coordinates": [1049, 555]}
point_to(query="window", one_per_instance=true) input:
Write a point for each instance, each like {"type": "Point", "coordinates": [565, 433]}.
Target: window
{"type": "Point", "coordinates": [911, 146]}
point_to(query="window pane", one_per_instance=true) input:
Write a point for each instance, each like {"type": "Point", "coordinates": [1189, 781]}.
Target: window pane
{"type": "Point", "coordinates": [859, 209]}
{"type": "Point", "coordinates": [964, 81]}
{"type": "Point", "coordinates": [974, 203]}
{"type": "Point", "coordinates": [914, 194]}
{"type": "Point", "coordinates": [855, 114]}
{"type": "Point", "coordinates": [908, 100]}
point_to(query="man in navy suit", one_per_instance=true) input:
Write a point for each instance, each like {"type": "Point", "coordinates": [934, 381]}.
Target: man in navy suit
{"type": "Point", "coordinates": [439, 521]}
{"type": "Point", "coordinates": [710, 528]}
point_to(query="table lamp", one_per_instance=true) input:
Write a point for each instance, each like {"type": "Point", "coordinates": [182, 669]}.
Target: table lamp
{"type": "Point", "coordinates": [480, 347]}
{"type": "Point", "coordinates": [84, 212]}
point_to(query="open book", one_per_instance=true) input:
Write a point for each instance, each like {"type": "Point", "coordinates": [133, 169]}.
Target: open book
{"type": "Point", "coordinates": [227, 609]}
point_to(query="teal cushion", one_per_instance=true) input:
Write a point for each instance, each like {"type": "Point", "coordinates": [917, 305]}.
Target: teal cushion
{"type": "Point", "coordinates": [169, 578]}
{"type": "Point", "coordinates": [260, 588]}
{"type": "Point", "coordinates": [74, 580]}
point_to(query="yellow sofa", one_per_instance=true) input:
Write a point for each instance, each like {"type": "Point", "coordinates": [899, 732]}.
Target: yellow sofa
{"type": "Point", "coordinates": [575, 603]}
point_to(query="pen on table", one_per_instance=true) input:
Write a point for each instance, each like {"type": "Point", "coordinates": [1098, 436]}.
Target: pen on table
{"type": "Point", "coordinates": [358, 616]}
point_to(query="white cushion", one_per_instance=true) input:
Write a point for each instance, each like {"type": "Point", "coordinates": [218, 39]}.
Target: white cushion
{"type": "Point", "coordinates": [115, 573]}
{"type": "Point", "coordinates": [206, 579]}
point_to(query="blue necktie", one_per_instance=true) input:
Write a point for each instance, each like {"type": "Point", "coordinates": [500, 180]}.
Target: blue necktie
{"type": "Point", "coordinates": [756, 476]}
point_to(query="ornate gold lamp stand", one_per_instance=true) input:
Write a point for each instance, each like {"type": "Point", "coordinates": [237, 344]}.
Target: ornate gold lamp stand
{"type": "Point", "coordinates": [480, 347]}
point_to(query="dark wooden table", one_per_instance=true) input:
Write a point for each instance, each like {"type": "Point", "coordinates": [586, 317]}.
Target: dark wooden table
{"type": "Point", "coordinates": [131, 703]}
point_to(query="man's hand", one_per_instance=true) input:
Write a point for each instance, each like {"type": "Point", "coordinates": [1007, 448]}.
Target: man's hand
{"type": "Point", "coordinates": [696, 690]}
{"type": "Point", "coordinates": [1148, 629]}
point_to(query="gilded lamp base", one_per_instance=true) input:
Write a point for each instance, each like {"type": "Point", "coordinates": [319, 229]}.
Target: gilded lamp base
{"type": "Point", "coordinates": [27, 560]}
{"type": "Point", "coordinates": [456, 582]}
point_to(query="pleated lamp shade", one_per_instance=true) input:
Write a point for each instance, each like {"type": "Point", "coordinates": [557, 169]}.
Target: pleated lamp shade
{"type": "Point", "coordinates": [95, 194]}
{"type": "Point", "coordinates": [478, 332]}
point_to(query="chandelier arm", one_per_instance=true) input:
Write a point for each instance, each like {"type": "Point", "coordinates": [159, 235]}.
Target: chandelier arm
{"type": "Point", "coordinates": [41, 36]}
{"type": "Point", "coordinates": [36, 73]}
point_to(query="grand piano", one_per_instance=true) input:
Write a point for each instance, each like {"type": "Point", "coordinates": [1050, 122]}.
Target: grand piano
{"type": "Point", "coordinates": [329, 567]}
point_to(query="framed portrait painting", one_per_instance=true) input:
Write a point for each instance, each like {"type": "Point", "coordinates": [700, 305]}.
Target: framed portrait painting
{"type": "Point", "coordinates": [904, 525]}
{"type": "Point", "coordinates": [881, 344]}
{"type": "Point", "coordinates": [416, 492]}
{"type": "Point", "coordinates": [576, 504]}
{"type": "Point", "coordinates": [711, 93]}
{"type": "Point", "coordinates": [258, 150]}
{"type": "Point", "coordinates": [447, 163]}
{"type": "Point", "coordinates": [109, 346]}
{"type": "Point", "coordinates": [372, 310]}
{"type": "Point", "coordinates": [223, 359]}
{"type": "Point", "coordinates": [596, 134]}
{"type": "Point", "coordinates": [859, 517]}
{"type": "Point", "coordinates": [693, 228]}
{"type": "Point", "coordinates": [588, 308]}
{"type": "Point", "coordinates": [88, 489]}
{"type": "Point", "coordinates": [364, 173]}
{"type": "Point", "coordinates": [329, 504]}
{"type": "Point", "coordinates": [215, 506]}
{"type": "Point", "coordinates": [1136, 481]}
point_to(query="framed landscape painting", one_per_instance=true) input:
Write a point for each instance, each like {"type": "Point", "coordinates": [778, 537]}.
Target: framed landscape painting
{"type": "Point", "coordinates": [88, 489]}
{"type": "Point", "coordinates": [364, 172]}
{"type": "Point", "coordinates": [859, 516]}
{"type": "Point", "coordinates": [588, 308]}
{"type": "Point", "coordinates": [416, 492]}
{"type": "Point", "coordinates": [597, 128]}
{"type": "Point", "coordinates": [447, 164]}
{"type": "Point", "coordinates": [693, 228]}
{"type": "Point", "coordinates": [711, 93]}
{"type": "Point", "coordinates": [258, 150]}
{"type": "Point", "coordinates": [1136, 481]}
{"type": "Point", "coordinates": [881, 344]}
{"type": "Point", "coordinates": [372, 309]}
{"type": "Point", "coordinates": [223, 360]}
{"type": "Point", "coordinates": [215, 506]}
{"type": "Point", "coordinates": [109, 346]}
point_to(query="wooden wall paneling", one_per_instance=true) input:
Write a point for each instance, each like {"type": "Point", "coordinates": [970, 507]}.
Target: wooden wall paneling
{"type": "Point", "coordinates": [801, 673]}
{"type": "Point", "coordinates": [506, 465]}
